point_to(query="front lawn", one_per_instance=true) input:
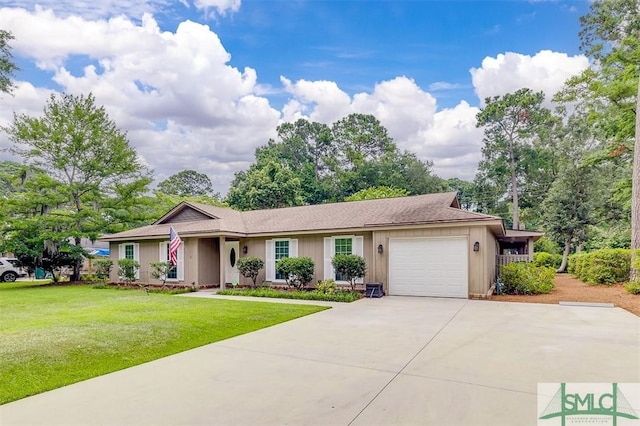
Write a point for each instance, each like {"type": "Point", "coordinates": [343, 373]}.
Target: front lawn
{"type": "Point", "coordinates": [51, 336]}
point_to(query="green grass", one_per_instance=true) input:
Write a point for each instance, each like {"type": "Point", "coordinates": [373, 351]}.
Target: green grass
{"type": "Point", "coordinates": [341, 296]}
{"type": "Point", "coordinates": [51, 336]}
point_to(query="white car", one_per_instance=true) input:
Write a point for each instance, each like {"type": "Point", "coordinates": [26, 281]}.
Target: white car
{"type": "Point", "coordinates": [9, 270]}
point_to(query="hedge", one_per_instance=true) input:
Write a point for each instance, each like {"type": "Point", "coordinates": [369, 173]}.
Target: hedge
{"type": "Point", "coordinates": [605, 266]}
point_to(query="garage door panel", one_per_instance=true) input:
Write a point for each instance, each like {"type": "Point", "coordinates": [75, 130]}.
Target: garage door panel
{"type": "Point", "coordinates": [428, 267]}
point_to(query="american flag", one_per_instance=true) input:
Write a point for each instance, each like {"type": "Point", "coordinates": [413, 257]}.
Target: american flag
{"type": "Point", "coordinates": [174, 244]}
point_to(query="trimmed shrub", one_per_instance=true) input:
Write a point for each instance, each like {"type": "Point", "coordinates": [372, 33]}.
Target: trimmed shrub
{"type": "Point", "coordinates": [526, 278]}
{"type": "Point", "coordinates": [250, 267]}
{"type": "Point", "coordinates": [350, 266]}
{"type": "Point", "coordinates": [298, 271]}
{"type": "Point", "coordinates": [605, 266]}
{"type": "Point", "coordinates": [127, 270]}
{"type": "Point", "coordinates": [161, 270]}
{"type": "Point", "coordinates": [546, 245]}
{"type": "Point", "coordinates": [548, 260]}
{"type": "Point", "coordinates": [609, 266]}
{"type": "Point", "coordinates": [327, 287]}
{"type": "Point", "coordinates": [103, 268]}
{"type": "Point", "coordinates": [633, 287]}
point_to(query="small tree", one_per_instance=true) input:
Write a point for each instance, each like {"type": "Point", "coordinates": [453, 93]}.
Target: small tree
{"type": "Point", "coordinates": [103, 268]}
{"type": "Point", "coordinates": [250, 267]}
{"type": "Point", "coordinates": [160, 271]}
{"type": "Point", "coordinates": [128, 269]}
{"type": "Point", "coordinates": [350, 266]}
{"type": "Point", "coordinates": [298, 271]}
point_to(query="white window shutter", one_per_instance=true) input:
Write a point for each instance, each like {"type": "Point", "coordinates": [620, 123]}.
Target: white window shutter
{"type": "Point", "coordinates": [121, 251]}
{"type": "Point", "coordinates": [162, 252]}
{"type": "Point", "coordinates": [270, 258]}
{"type": "Point", "coordinates": [136, 257]}
{"type": "Point", "coordinates": [293, 248]}
{"type": "Point", "coordinates": [180, 264]}
{"type": "Point", "coordinates": [329, 273]}
{"type": "Point", "coordinates": [358, 248]}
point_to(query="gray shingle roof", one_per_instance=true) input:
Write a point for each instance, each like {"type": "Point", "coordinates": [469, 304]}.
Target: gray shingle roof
{"type": "Point", "coordinates": [419, 209]}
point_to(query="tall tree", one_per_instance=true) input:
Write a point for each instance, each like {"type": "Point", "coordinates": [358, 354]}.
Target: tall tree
{"type": "Point", "coordinates": [187, 183]}
{"type": "Point", "coordinates": [7, 65]}
{"type": "Point", "coordinates": [610, 90]}
{"type": "Point", "coordinates": [512, 123]}
{"type": "Point", "coordinates": [270, 186]}
{"type": "Point", "coordinates": [360, 138]}
{"type": "Point", "coordinates": [570, 205]}
{"type": "Point", "coordinates": [97, 171]}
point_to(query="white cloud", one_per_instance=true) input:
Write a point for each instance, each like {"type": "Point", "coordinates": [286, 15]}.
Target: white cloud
{"type": "Point", "coordinates": [97, 9]}
{"type": "Point", "coordinates": [449, 137]}
{"type": "Point", "coordinates": [220, 6]}
{"type": "Point", "coordinates": [181, 102]}
{"type": "Point", "coordinates": [545, 71]}
{"type": "Point", "coordinates": [443, 85]}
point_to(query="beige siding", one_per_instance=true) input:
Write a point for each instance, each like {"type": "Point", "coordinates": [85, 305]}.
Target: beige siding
{"type": "Point", "coordinates": [149, 251]}
{"type": "Point", "coordinates": [492, 251]}
{"type": "Point", "coordinates": [308, 246]}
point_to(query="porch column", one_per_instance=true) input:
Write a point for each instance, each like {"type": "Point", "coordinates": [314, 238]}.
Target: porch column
{"type": "Point", "coordinates": [223, 261]}
{"type": "Point", "coordinates": [530, 249]}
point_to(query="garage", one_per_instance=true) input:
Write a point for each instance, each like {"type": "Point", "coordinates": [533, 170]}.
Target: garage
{"type": "Point", "coordinates": [436, 267]}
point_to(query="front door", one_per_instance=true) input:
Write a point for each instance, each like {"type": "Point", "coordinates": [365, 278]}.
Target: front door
{"type": "Point", "coordinates": [231, 267]}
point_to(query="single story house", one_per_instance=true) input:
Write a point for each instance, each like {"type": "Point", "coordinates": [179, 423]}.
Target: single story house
{"type": "Point", "coordinates": [423, 245]}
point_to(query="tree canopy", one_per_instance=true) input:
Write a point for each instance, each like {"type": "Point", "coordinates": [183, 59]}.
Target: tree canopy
{"type": "Point", "coordinates": [316, 163]}
{"type": "Point", "coordinates": [93, 176]}
{"type": "Point", "coordinates": [188, 183]}
{"type": "Point", "coordinates": [7, 64]}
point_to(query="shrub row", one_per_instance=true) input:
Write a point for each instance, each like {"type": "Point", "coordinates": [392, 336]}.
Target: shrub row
{"type": "Point", "coordinates": [605, 266]}
{"type": "Point", "coordinates": [526, 278]}
{"type": "Point", "coordinates": [339, 296]}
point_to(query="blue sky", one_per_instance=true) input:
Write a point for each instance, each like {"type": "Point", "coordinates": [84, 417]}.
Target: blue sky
{"type": "Point", "coordinates": [207, 81]}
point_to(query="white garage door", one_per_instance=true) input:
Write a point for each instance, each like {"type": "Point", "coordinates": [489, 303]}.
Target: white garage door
{"type": "Point", "coordinates": [429, 267]}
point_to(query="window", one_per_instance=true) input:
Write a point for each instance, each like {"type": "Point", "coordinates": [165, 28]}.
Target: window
{"type": "Point", "coordinates": [177, 273]}
{"type": "Point", "coordinates": [343, 244]}
{"type": "Point", "coordinates": [275, 250]}
{"type": "Point", "coordinates": [281, 252]}
{"type": "Point", "coordinates": [130, 251]}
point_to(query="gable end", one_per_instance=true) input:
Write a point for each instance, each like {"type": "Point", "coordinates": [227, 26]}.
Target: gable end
{"type": "Point", "coordinates": [187, 214]}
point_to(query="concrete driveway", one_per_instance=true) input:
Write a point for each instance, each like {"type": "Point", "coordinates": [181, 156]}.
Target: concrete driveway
{"type": "Point", "coordinates": [393, 360]}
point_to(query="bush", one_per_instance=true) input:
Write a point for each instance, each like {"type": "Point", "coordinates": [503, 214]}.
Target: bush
{"type": "Point", "coordinates": [250, 267]}
{"type": "Point", "coordinates": [327, 287]}
{"type": "Point", "coordinates": [526, 278]}
{"type": "Point", "coordinates": [633, 287]}
{"type": "Point", "coordinates": [128, 269]}
{"type": "Point", "coordinates": [103, 268]}
{"type": "Point", "coordinates": [605, 266]}
{"type": "Point", "coordinates": [548, 260]}
{"type": "Point", "coordinates": [298, 271]}
{"type": "Point", "coordinates": [350, 266]}
{"type": "Point", "coordinates": [160, 270]}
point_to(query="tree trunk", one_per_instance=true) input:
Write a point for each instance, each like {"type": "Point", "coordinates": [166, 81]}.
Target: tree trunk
{"type": "Point", "coordinates": [75, 276]}
{"type": "Point", "coordinates": [635, 197]}
{"type": "Point", "coordinates": [514, 190]}
{"type": "Point", "coordinates": [565, 255]}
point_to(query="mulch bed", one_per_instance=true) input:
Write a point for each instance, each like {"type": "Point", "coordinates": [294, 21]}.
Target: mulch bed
{"type": "Point", "coordinates": [570, 289]}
